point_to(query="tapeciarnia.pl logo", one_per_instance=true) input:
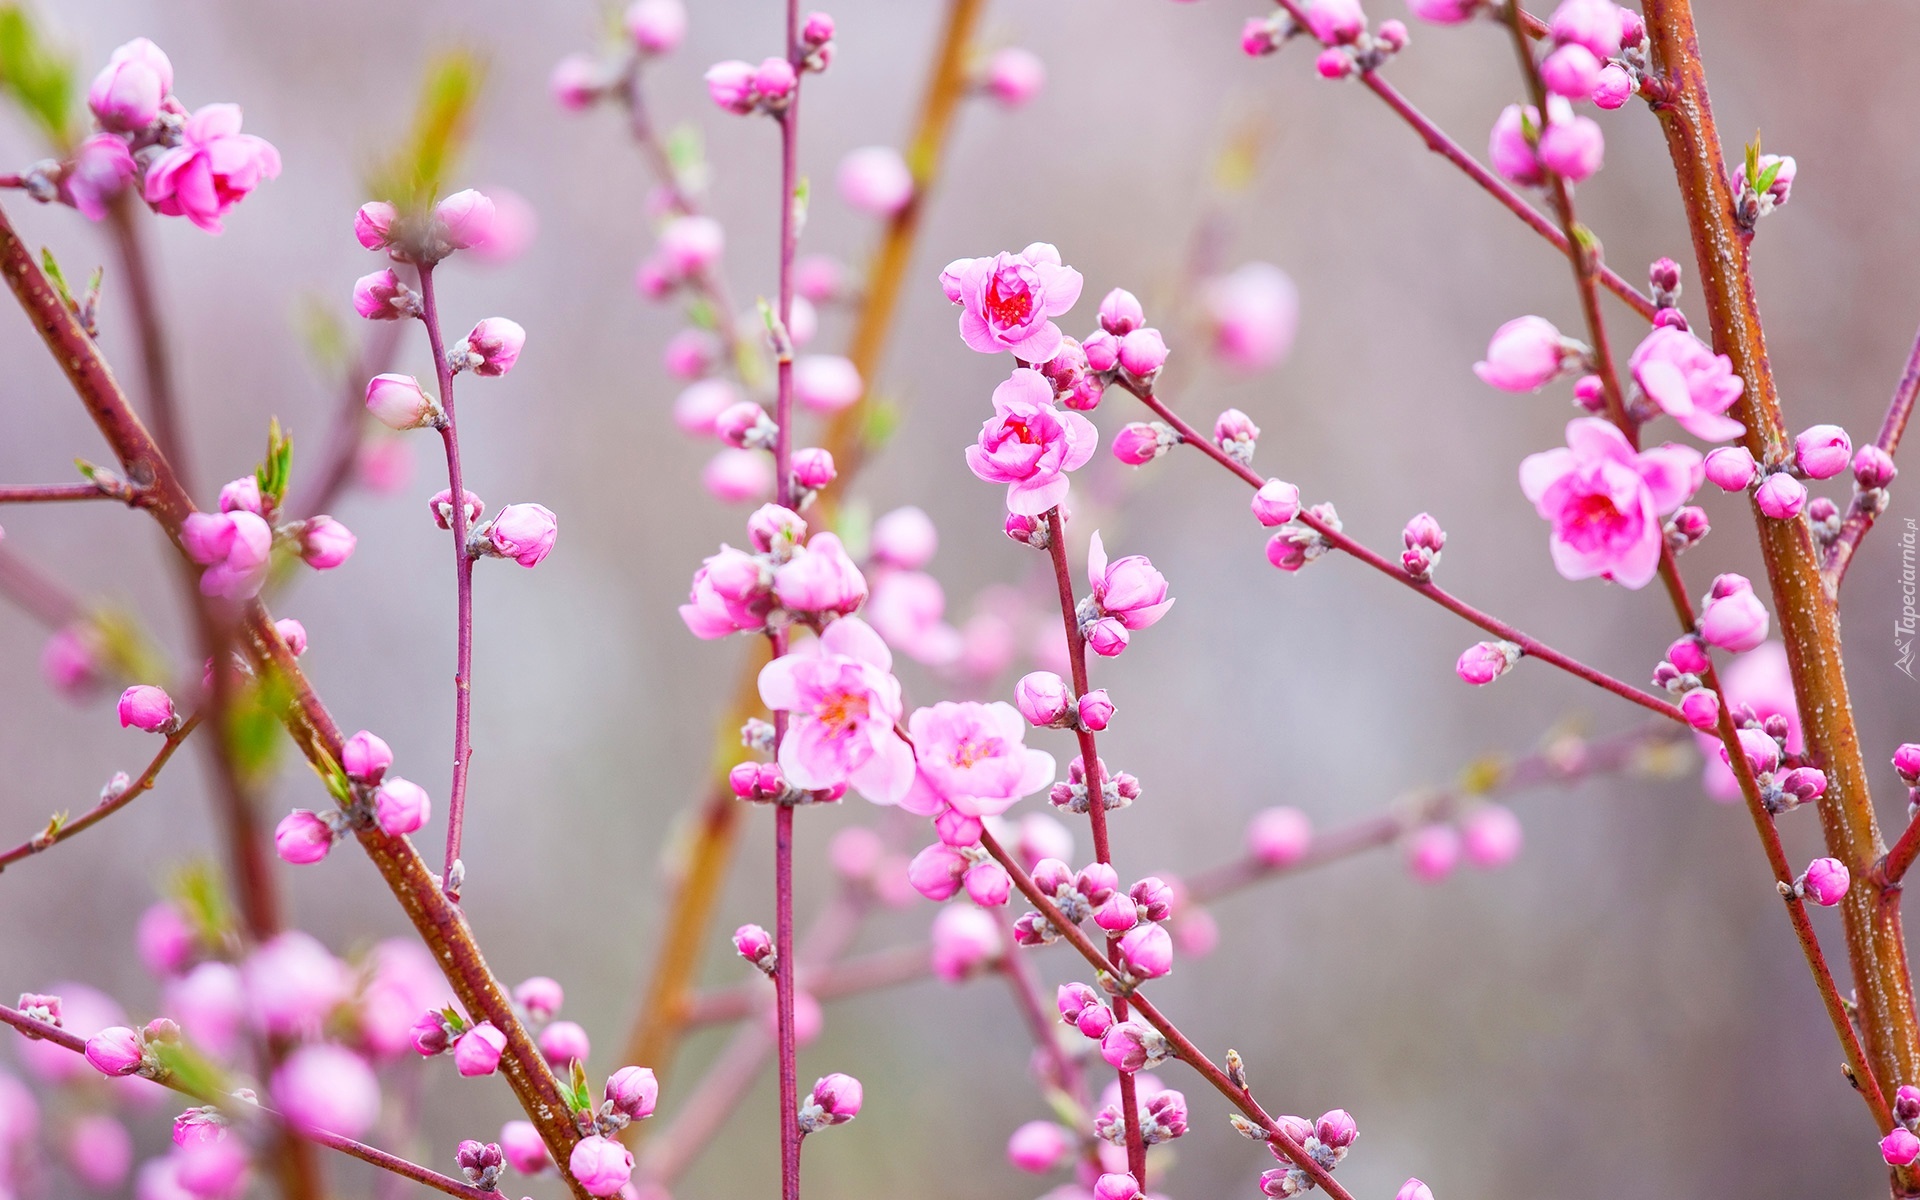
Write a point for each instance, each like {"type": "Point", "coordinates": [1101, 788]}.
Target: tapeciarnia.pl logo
{"type": "Point", "coordinates": [1905, 624]}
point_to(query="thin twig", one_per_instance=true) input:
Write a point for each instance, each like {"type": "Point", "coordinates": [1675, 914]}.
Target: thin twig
{"type": "Point", "coordinates": [1861, 515]}
{"type": "Point", "coordinates": [108, 805]}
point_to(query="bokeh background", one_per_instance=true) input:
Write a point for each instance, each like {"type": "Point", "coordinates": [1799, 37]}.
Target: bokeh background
{"type": "Point", "coordinates": [1622, 1012]}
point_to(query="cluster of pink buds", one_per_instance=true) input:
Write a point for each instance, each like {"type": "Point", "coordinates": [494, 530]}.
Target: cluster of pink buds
{"type": "Point", "coordinates": [480, 1162]}
{"type": "Point", "coordinates": [1326, 1141]}
{"type": "Point", "coordinates": [742, 88]}
{"type": "Point", "coordinates": [1295, 543]}
{"type": "Point", "coordinates": [1681, 673]}
{"type": "Point", "coordinates": [786, 578]}
{"type": "Point", "coordinates": [1162, 1115]}
{"type": "Point", "coordinates": [1784, 782]}
{"type": "Point", "coordinates": [1117, 788]}
{"type": "Point", "coordinates": [652, 27]}
{"type": "Point", "coordinates": [1597, 52]}
{"type": "Point", "coordinates": [196, 166]}
{"type": "Point", "coordinates": [1901, 1148]}
{"type": "Point", "coordinates": [834, 1100]}
{"type": "Point", "coordinates": [1348, 47]}
{"type": "Point", "coordinates": [1423, 539]}
{"type": "Point", "coordinates": [373, 799]}
{"type": "Point", "coordinates": [1126, 594]}
{"type": "Point", "coordinates": [1526, 151]}
{"type": "Point", "coordinates": [236, 544]}
{"type": "Point", "coordinates": [1047, 702]}
{"type": "Point", "coordinates": [476, 1048]}
{"type": "Point", "coordinates": [1125, 346]}
{"type": "Point", "coordinates": [466, 220]}
{"type": "Point", "coordinates": [957, 861]}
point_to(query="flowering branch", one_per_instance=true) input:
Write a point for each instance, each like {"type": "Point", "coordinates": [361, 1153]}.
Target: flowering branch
{"type": "Point", "coordinates": [43, 1031]}
{"type": "Point", "coordinates": [118, 795]}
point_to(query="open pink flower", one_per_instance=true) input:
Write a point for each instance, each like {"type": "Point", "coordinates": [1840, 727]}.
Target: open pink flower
{"type": "Point", "coordinates": [1605, 501]}
{"type": "Point", "coordinates": [843, 702]}
{"type": "Point", "coordinates": [1689, 382]}
{"type": "Point", "coordinates": [1009, 300]}
{"type": "Point", "coordinates": [1029, 445]}
{"type": "Point", "coordinates": [973, 757]}
{"type": "Point", "coordinates": [211, 170]}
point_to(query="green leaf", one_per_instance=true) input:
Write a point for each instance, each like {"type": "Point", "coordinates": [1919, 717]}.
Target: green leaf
{"type": "Point", "coordinates": [582, 1097]}
{"type": "Point", "coordinates": [414, 175]}
{"type": "Point", "coordinates": [196, 890]}
{"type": "Point", "coordinates": [38, 77]}
{"type": "Point", "coordinates": [802, 198]}
{"type": "Point", "coordinates": [253, 727]}
{"type": "Point", "coordinates": [52, 267]}
{"type": "Point", "coordinates": [1753, 162]}
{"type": "Point", "coordinates": [193, 1071]}
{"type": "Point", "coordinates": [701, 314]}
{"type": "Point", "coordinates": [276, 470]}
{"type": "Point", "coordinates": [1766, 180]}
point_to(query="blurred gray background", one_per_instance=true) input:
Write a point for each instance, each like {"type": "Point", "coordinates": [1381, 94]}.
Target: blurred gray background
{"type": "Point", "coordinates": [1620, 1013]}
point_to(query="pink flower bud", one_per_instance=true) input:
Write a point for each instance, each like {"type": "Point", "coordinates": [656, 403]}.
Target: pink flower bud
{"type": "Point", "coordinates": [1571, 71]}
{"type": "Point", "coordinates": [466, 217]}
{"type": "Point", "coordinates": [1393, 35]}
{"type": "Point", "coordinates": [1444, 12]}
{"type": "Point", "coordinates": [478, 1050]}
{"type": "Point", "coordinates": [1124, 1046]}
{"type": "Point", "coordinates": [754, 944]}
{"type": "Point", "coordinates": [1118, 1186]}
{"type": "Point", "coordinates": [1234, 427]}
{"type": "Point", "coordinates": [1491, 837]}
{"type": "Point", "coordinates": [1906, 1104]}
{"type": "Point", "coordinates": [1432, 853]}
{"type": "Point", "coordinates": [302, 838]}
{"type": "Point", "coordinates": [1804, 784]}
{"type": "Point", "coordinates": [1336, 1129]}
{"type": "Point", "coordinates": [1276, 503]}
{"type": "Point", "coordinates": [772, 526]}
{"type": "Point", "coordinates": [1050, 875]}
{"type": "Point", "coordinates": [564, 1042]}
{"type": "Point", "coordinates": [1143, 352]}
{"type": "Point", "coordinates": [690, 354]}
{"type": "Point", "coordinates": [826, 383]}
{"type": "Point", "coordinates": [575, 83]}
{"type": "Point", "coordinates": [1737, 621]}
{"type": "Point", "coordinates": [1595, 24]}
{"type": "Point", "coordinates": [1689, 655]}
{"type": "Point", "coordinates": [1702, 709]}
{"type": "Point", "coordinates": [325, 543]}
{"type": "Point", "coordinates": [1038, 1147]}
{"type": "Point", "coordinates": [1484, 662]}
{"type": "Point", "coordinates": [964, 940]}
{"type": "Point", "coordinates": [988, 884]}
{"type": "Point", "coordinates": [1613, 87]}
{"type": "Point", "coordinates": [1822, 451]}
{"type": "Point", "coordinates": [116, 1050]}
{"type": "Point", "coordinates": [1413, 1189]}
{"type": "Point", "coordinates": [1759, 749]}
{"type": "Point", "coordinates": [523, 532]}
{"type": "Point", "coordinates": [365, 757]}
{"type": "Point", "coordinates": [1826, 881]}
{"type": "Point", "coordinates": [817, 29]}
{"type": "Point", "coordinates": [1279, 837]}
{"type": "Point", "coordinates": [126, 95]}
{"type": "Point", "coordinates": [1107, 637]}
{"type": "Point", "coordinates": [401, 807]}
{"type": "Point", "coordinates": [540, 996]}
{"type": "Point", "coordinates": [1137, 444]}
{"type": "Point", "coordinates": [837, 1096]}
{"type": "Point", "coordinates": [1780, 496]}
{"type": "Point", "coordinates": [774, 79]}
{"type": "Point", "coordinates": [656, 26]}
{"type": "Point", "coordinates": [327, 1088]}
{"type": "Point", "coordinates": [1147, 951]}
{"type": "Point", "coordinates": [936, 871]}
{"type": "Point", "coordinates": [813, 468]}
{"type": "Point", "coordinates": [730, 85]}
{"type": "Point", "coordinates": [1731, 468]}
{"type": "Point", "coordinates": [1121, 313]}
{"type": "Point", "coordinates": [1102, 350]}
{"type": "Point", "coordinates": [1906, 761]}
{"type": "Point", "coordinates": [690, 245]}
{"type": "Point", "coordinates": [373, 224]}
{"type": "Point", "coordinates": [496, 343]}
{"type": "Point", "coordinates": [875, 180]}
{"type": "Point", "coordinates": [242, 495]}
{"type": "Point", "coordinates": [1336, 21]}
{"type": "Point", "coordinates": [1512, 155]}
{"type": "Point", "coordinates": [1900, 1148]}
{"type": "Point", "coordinates": [601, 1166]}
{"type": "Point", "coordinates": [820, 578]}
{"type": "Point", "coordinates": [1043, 699]}
{"type": "Point", "coordinates": [1873, 467]}
{"type": "Point", "coordinates": [521, 1146]}
{"type": "Point", "coordinates": [1154, 897]}
{"type": "Point", "coordinates": [905, 538]}
{"type": "Point", "coordinates": [428, 1035]}
{"type": "Point", "coordinates": [381, 296]}
{"type": "Point", "coordinates": [1095, 710]}
{"type": "Point", "coordinates": [146, 707]}
{"type": "Point", "coordinates": [1096, 881]}
{"type": "Point", "coordinates": [1523, 356]}
{"type": "Point", "coordinates": [1014, 76]}
{"type": "Point", "coordinates": [398, 402]}
{"type": "Point", "coordinates": [633, 1092]}
{"type": "Point", "coordinates": [1116, 914]}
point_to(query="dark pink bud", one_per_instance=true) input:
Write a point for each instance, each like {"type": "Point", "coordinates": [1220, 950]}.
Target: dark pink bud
{"type": "Point", "coordinates": [1117, 914]}
{"type": "Point", "coordinates": [817, 29]}
{"type": "Point", "coordinates": [1102, 350]}
{"type": "Point", "coordinates": [373, 224]}
{"type": "Point", "coordinates": [429, 1035]}
{"type": "Point", "coordinates": [1826, 881]}
{"type": "Point", "coordinates": [302, 838]}
{"type": "Point", "coordinates": [988, 884]}
{"type": "Point", "coordinates": [755, 944]}
{"type": "Point", "coordinates": [1336, 1129]}
{"type": "Point", "coordinates": [146, 708]}
{"type": "Point", "coordinates": [1278, 502]}
{"type": "Point", "coordinates": [1094, 1020]}
{"type": "Point", "coordinates": [936, 872]}
{"type": "Point", "coordinates": [1124, 1046]}
{"type": "Point", "coordinates": [1702, 709]}
{"type": "Point", "coordinates": [1590, 393]}
{"type": "Point", "coordinates": [1873, 467]}
{"type": "Point", "coordinates": [837, 1097]}
{"type": "Point", "coordinates": [1143, 352]}
{"type": "Point", "coordinates": [115, 1051]}
{"type": "Point", "coordinates": [401, 807]}
{"type": "Point", "coordinates": [774, 79]}
{"type": "Point", "coordinates": [1761, 751]}
{"type": "Point", "coordinates": [494, 345]}
{"type": "Point", "coordinates": [1074, 998]}
{"type": "Point", "coordinates": [293, 633]}
{"type": "Point", "coordinates": [1822, 451]}
{"type": "Point", "coordinates": [381, 296]}
{"type": "Point", "coordinates": [957, 829]}
{"type": "Point", "coordinates": [1906, 1104]}
{"type": "Point", "coordinates": [1096, 882]}
{"type": "Point", "coordinates": [1118, 1186]}
{"type": "Point", "coordinates": [1147, 951]}
{"type": "Point", "coordinates": [1804, 784]}
{"type": "Point", "coordinates": [475, 1156]}
{"type": "Point", "coordinates": [1024, 529]}
{"type": "Point", "coordinates": [1484, 662]}
{"type": "Point", "coordinates": [1900, 1148]}
{"type": "Point", "coordinates": [1107, 637]}
{"type": "Point", "coordinates": [1333, 63]}
{"type": "Point", "coordinates": [1095, 710]}
{"type": "Point", "coordinates": [1906, 760]}
{"type": "Point", "coordinates": [1689, 655]}
{"type": "Point", "coordinates": [478, 1050]}
{"type": "Point", "coordinates": [1781, 496]}
{"type": "Point", "coordinates": [1155, 898]}
{"type": "Point", "coordinates": [600, 1165]}
{"type": "Point", "coordinates": [633, 1092]}
{"type": "Point", "coordinates": [465, 218]}
{"type": "Point", "coordinates": [1137, 444]}
{"type": "Point", "coordinates": [1050, 876]}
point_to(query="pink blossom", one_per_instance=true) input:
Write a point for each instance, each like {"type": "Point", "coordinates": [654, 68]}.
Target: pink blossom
{"type": "Point", "coordinates": [1594, 24]}
{"type": "Point", "coordinates": [1761, 681]}
{"type": "Point", "coordinates": [1900, 1148]}
{"type": "Point", "coordinates": [380, 296]}
{"type": "Point", "coordinates": [656, 26]}
{"type": "Point", "coordinates": [1571, 146]}
{"type": "Point", "coordinates": [1128, 590]}
{"type": "Point", "coordinates": [400, 806]}
{"type": "Point", "coordinates": [1701, 707]}
{"type": "Point", "coordinates": [1605, 500]}
{"type": "Point", "coordinates": [100, 1151]}
{"type": "Point", "coordinates": [820, 579]}
{"type": "Point", "coordinates": [147, 708]}
{"type": "Point", "coordinates": [1524, 355]}
{"type": "Point", "coordinates": [399, 402]}
{"type": "Point", "coordinates": [1009, 299]}
{"type": "Point", "coordinates": [1279, 837]}
{"type": "Point", "coordinates": [324, 1088]}
{"type": "Point", "coordinates": [1826, 881]}
{"type": "Point", "coordinates": [736, 476]}
{"type": "Point", "coordinates": [1484, 662]}
{"type": "Point", "coordinates": [1822, 451]}
{"type": "Point", "coordinates": [1014, 76]}
{"type": "Point", "coordinates": [1513, 154]}
{"type": "Point", "coordinates": [1143, 352]}
{"type": "Point", "coordinates": [813, 468]}
{"type": "Point", "coordinates": [826, 383]}
{"type": "Point", "coordinates": [1029, 445]}
{"type": "Point", "coordinates": [842, 701]}
{"type": "Point", "coordinates": [1336, 21]}
{"type": "Point", "coordinates": [236, 548]}
{"type": "Point", "coordinates": [524, 1150]}
{"type": "Point", "coordinates": [465, 218]}
{"type": "Point", "coordinates": [1146, 951]}
{"type": "Point", "coordinates": [242, 493]}
{"type": "Point", "coordinates": [1444, 12]}
{"type": "Point", "coordinates": [1253, 313]}
{"type": "Point", "coordinates": [973, 757]}
{"type": "Point", "coordinates": [523, 532]}
{"type": "Point", "coordinates": [494, 345]}
{"type": "Point", "coordinates": [478, 1050]}
{"type": "Point", "coordinates": [563, 1042]}
{"type": "Point", "coordinates": [730, 85]}
{"type": "Point", "coordinates": [905, 537]}
{"type": "Point", "coordinates": [373, 224]}
{"type": "Point", "coordinates": [1689, 382]}
{"type": "Point", "coordinates": [774, 81]}
{"type": "Point", "coordinates": [1491, 835]}
{"type": "Point", "coordinates": [302, 838]}
{"type": "Point", "coordinates": [1736, 620]}
{"type": "Point", "coordinates": [729, 595]}
{"type": "Point", "coordinates": [1731, 468]}
{"type": "Point", "coordinates": [116, 1050]}
{"type": "Point", "coordinates": [211, 170]}
{"type": "Point", "coordinates": [1276, 503]}
{"type": "Point", "coordinates": [1780, 497]}
{"type": "Point", "coordinates": [875, 180]}
{"type": "Point", "coordinates": [964, 940]}
{"type": "Point", "coordinates": [126, 95]}
{"type": "Point", "coordinates": [1432, 853]}
{"type": "Point", "coordinates": [294, 984]}
{"type": "Point", "coordinates": [1095, 710]}
{"type": "Point", "coordinates": [1138, 443]}
{"type": "Point", "coordinates": [1613, 87]}
{"type": "Point", "coordinates": [1038, 1147]}
{"type": "Point", "coordinates": [325, 543]}
{"type": "Point", "coordinates": [908, 609]}
{"type": "Point", "coordinates": [365, 757]}
{"type": "Point", "coordinates": [101, 168]}
{"type": "Point", "coordinates": [837, 1096]}
{"type": "Point", "coordinates": [1116, 1185]}
{"type": "Point", "coordinates": [1571, 71]}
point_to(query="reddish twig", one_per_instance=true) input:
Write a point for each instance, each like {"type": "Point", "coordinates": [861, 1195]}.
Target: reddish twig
{"type": "Point", "coordinates": [107, 806]}
{"type": "Point", "coordinates": [1861, 515]}
{"type": "Point", "coordinates": [54, 493]}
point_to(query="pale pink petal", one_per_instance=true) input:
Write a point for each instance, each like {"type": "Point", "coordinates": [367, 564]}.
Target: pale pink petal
{"type": "Point", "coordinates": [1538, 472]}
{"type": "Point", "coordinates": [1598, 438]}
{"type": "Point", "coordinates": [1672, 474]}
{"type": "Point", "coordinates": [1031, 497]}
{"type": "Point", "coordinates": [1082, 440]}
{"type": "Point", "coordinates": [856, 639]}
{"type": "Point", "coordinates": [1711, 427]}
{"type": "Point", "coordinates": [888, 775]}
{"type": "Point", "coordinates": [1037, 347]}
{"type": "Point", "coordinates": [974, 332]}
{"type": "Point", "coordinates": [1096, 561]}
{"type": "Point", "coordinates": [779, 686]}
